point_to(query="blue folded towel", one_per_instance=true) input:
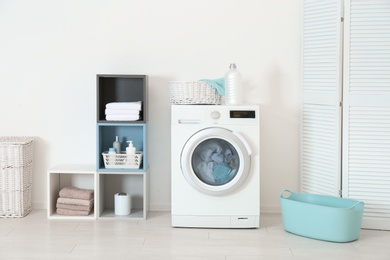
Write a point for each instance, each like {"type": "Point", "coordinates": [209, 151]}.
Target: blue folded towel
{"type": "Point", "coordinates": [218, 84]}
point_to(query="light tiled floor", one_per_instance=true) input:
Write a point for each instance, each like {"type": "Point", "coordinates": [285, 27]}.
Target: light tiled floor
{"type": "Point", "coordinates": [35, 237]}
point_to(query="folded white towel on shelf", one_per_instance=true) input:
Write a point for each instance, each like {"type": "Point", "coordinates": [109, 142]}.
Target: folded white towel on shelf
{"type": "Point", "coordinates": [122, 117]}
{"type": "Point", "coordinates": [109, 111]}
{"type": "Point", "coordinates": [125, 105]}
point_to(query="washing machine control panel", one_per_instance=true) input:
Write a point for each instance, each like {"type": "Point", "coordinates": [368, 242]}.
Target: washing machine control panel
{"type": "Point", "coordinates": [237, 115]}
{"type": "Point", "coordinates": [215, 115]}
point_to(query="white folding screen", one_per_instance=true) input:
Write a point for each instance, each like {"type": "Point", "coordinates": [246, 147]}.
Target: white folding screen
{"type": "Point", "coordinates": [366, 116]}
{"type": "Point", "coordinates": [321, 96]}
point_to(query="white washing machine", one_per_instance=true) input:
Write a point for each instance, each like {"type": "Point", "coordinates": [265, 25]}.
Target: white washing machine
{"type": "Point", "coordinates": [215, 166]}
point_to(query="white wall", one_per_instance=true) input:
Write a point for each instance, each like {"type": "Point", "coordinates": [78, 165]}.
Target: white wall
{"type": "Point", "coordinates": [51, 51]}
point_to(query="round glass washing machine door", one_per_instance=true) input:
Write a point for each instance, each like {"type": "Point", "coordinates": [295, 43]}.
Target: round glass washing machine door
{"type": "Point", "coordinates": [216, 161]}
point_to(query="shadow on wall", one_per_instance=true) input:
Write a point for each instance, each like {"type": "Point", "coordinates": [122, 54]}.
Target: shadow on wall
{"type": "Point", "coordinates": [279, 136]}
{"type": "Point", "coordinates": [159, 140]}
{"type": "Point", "coordinates": [40, 167]}
{"type": "Point", "coordinates": [282, 96]}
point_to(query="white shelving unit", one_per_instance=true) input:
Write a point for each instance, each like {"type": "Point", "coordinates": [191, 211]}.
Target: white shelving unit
{"type": "Point", "coordinates": [77, 175]}
{"type": "Point", "coordinates": [106, 182]}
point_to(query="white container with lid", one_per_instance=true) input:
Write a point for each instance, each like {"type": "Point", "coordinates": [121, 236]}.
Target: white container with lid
{"type": "Point", "coordinates": [122, 204]}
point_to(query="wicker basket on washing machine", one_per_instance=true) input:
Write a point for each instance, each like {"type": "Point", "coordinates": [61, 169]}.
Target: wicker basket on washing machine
{"type": "Point", "coordinates": [193, 92]}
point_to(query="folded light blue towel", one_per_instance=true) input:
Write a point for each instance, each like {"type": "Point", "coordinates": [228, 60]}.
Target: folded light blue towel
{"type": "Point", "coordinates": [218, 84]}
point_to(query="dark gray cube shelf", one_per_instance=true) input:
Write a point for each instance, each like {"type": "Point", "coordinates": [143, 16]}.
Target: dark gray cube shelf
{"type": "Point", "coordinates": [121, 88]}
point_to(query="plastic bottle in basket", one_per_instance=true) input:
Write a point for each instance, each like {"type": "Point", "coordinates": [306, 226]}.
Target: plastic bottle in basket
{"type": "Point", "coordinates": [233, 91]}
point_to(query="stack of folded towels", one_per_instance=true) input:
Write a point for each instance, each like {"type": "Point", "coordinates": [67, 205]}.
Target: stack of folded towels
{"type": "Point", "coordinates": [123, 111]}
{"type": "Point", "coordinates": [75, 202]}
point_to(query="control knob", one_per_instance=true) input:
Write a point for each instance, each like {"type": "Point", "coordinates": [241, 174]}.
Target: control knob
{"type": "Point", "coordinates": [215, 115]}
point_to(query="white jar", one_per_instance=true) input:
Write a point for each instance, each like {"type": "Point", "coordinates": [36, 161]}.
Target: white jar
{"type": "Point", "coordinates": [122, 204]}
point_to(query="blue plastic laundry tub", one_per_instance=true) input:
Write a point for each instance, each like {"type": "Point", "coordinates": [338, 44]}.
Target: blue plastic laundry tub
{"type": "Point", "coordinates": [321, 217]}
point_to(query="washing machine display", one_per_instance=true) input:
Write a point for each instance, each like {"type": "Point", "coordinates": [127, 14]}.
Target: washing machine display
{"type": "Point", "coordinates": [215, 162]}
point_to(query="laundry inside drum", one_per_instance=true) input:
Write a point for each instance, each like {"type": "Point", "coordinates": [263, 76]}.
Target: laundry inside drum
{"type": "Point", "coordinates": [215, 162]}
